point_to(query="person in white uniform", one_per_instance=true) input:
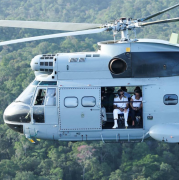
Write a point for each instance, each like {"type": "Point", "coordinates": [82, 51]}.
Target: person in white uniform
{"type": "Point", "coordinates": [136, 105]}
{"type": "Point", "coordinates": [121, 106]}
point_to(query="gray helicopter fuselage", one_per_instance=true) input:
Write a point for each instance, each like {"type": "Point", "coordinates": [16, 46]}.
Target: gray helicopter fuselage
{"type": "Point", "coordinates": [77, 79]}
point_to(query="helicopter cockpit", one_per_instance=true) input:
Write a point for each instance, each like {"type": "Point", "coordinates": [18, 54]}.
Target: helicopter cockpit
{"type": "Point", "coordinates": [31, 104]}
{"type": "Point", "coordinates": [19, 110]}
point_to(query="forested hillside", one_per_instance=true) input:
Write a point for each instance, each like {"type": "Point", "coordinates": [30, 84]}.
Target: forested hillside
{"type": "Point", "coordinates": [49, 160]}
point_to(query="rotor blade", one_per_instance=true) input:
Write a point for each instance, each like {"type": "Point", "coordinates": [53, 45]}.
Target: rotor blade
{"type": "Point", "coordinates": [156, 14]}
{"type": "Point", "coordinates": [53, 36]}
{"type": "Point", "coordinates": [48, 25]}
{"type": "Point", "coordinates": [159, 22]}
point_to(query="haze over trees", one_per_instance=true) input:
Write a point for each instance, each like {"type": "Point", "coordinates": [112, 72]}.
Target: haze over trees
{"type": "Point", "coordinates": [49, 160]}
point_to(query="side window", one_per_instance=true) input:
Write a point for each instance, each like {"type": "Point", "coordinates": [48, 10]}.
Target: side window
{"type": "Point", "coordinates": [88, 101]}
{"type": "Point", "coordinates": [71, 102]}
{"type": "Point", "coordinates": [38, 114]}
{"type": "Point", "coordinates": [170, 99]}
{"type": "Point", "coordinates": [51, 97]}
{"type": "Point", "coordinates": [40, 97]}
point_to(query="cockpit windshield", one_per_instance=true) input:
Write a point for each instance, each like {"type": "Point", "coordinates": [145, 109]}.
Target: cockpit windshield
{"type": "Point", "coordinates": [27, 95]}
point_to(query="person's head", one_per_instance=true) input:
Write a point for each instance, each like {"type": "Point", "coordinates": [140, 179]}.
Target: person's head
{"type": "Point", "coordinates": [138, 94]}
{"type": "Point", "coordinates": [110, 89]}
{"type": "Point", "coordinates": [137, 88]}
{"type": "Point", "coordinates": [124, 88]}
{"type": "Point", "coordinates": [120, 93]}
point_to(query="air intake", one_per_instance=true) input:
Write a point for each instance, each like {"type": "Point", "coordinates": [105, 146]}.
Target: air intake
{"type": "Point", "coordinates": [43, 63]}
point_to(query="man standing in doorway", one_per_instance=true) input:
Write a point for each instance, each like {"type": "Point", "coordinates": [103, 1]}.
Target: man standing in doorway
{"type": "Point", "coordinates": [121, 106]}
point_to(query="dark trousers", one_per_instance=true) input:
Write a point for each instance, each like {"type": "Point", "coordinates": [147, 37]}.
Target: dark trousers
{"type": "Point", "coordinates": [136, 113]}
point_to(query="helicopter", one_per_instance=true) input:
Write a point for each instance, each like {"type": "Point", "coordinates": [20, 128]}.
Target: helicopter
{"type": "Point", "coordinates": [65, 100]}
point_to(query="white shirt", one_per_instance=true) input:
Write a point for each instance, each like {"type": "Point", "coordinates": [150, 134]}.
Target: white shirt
{"type": "Point", "coordinates": [122, 103]}
{"type": "Point", "coordinates": [136, 104]}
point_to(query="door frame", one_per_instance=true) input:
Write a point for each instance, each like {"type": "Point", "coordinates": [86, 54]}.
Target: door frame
{"type": "Point", "coordinates": [33, 101]}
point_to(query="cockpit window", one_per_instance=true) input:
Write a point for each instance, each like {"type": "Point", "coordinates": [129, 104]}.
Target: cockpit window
{"type": "Point", "coordinates": [40, 99]}
{"type": "Point", "coordinates": [35, 83]}
{"type": "Point", "coordinates": [27, 95]}
{"type": "Point", "coordinates": [51, 97]}
{"type": "Point", "coordinates": [48, 83]}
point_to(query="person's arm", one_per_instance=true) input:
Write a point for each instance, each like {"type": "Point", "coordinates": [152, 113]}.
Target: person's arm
{"type": "Point", "coordinates": [127, 105]}
{"type": "Point", "coordinates": [114, 107]}
{"type": "Point", "coordinates": [131, 103]}
{"type": "Point", "coordinates": [141, 105]}
{"type": "Point", "coordinates": [126, 108]}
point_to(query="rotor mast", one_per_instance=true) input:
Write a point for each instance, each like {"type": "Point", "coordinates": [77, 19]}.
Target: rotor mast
{"type": "Point", "coordinates": [123, 25]}
{"type": "Point", "coordinates": [124, 29]}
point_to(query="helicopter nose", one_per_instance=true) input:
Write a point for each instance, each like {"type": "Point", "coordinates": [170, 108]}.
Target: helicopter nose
{"type": "Point", "coordinates": [17, 112]}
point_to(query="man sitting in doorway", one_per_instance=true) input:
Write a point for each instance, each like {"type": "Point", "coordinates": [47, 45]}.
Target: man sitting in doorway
{"type": "Point", "coordinates": [136, 105]}
{"type": "Point", "coordinates": [121, 106]}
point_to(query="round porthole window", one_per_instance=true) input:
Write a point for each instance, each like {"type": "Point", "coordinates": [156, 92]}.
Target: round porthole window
{"type": "Point", "coordinates": [117, 66]}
